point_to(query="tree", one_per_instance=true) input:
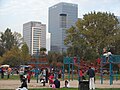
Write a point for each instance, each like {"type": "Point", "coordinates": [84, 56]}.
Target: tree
{"type": "Point", "coordinates": [7, 39]}
{"type": "Point", "coordinates": [54, 57]}
{"type": "Point", "coordinates": [25, 52]}
{"type": "Point", "coordinates": [43, 50]}
{"type": "Point", "coordinates": [92, 33]}
{"type": "Point", "coordinates": [12, 57]}
{"type": "Point", "coordinates": [2, 50]}
{"type": "Point", "coordinates": [18, 39]}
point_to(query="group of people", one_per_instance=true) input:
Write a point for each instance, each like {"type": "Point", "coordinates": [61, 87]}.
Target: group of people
{"type": "Point", "coordinates": [7, 71]}
{"type": "Point", "coordinates": [91, 73]}
{"type": "Point", "coordinates": [54, 83]}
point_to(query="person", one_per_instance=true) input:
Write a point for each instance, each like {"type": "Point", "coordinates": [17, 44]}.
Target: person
{"type": "Point", "coordinates": [28, 76]}
{"type": "Point", "coordinates": [42, 78]}
{"type": "Point", "coordinates": [51, 77]}
{"type": "Point", "coordinates": [9, 72]}
{"type": "Point", "coordinates": [24, 82]}
{"type": "Point", "coordinates": [57, 83]}
{"type": "Point", "coordinates": [53, 86]}
{"type": "Point", "coordinates": [91, 74]}
{"type": "Point", "coordinates": [106, 54]}
{"type": "Point", "coordinates": [81, 74]}
{"type": "Point", "coordinates": [23, 85]}
{"type": "Point", "coordinates": [2, 72]}
{"type": "Point", "coordinates": [75, 59]}
{"type": "Point", "coordinates": [66, 84]}
{"type": "Point", "coordinates": [21, 73]}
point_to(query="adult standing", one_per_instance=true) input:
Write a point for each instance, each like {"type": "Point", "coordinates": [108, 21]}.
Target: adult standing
{"type": "Point", "coordinates": [2, 72]}
{"type": "Point", "coordinates": [91, 74]}
{"type": "Point", "coordinates": [28, 76]}
{"type": "Point", "coordinates": [9, 72]}
{"type": "Point", "coordinates": [81, 74]}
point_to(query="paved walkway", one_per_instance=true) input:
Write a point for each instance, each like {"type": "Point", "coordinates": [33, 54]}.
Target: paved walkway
{"type": "Point", "coordinates": [13, 84]}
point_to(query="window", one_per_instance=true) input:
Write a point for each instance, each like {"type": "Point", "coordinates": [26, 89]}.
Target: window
{"type": "Point", "coordinates": [63, 18]}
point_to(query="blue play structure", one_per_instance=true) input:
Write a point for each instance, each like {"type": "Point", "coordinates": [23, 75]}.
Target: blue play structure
{"type": "Point", "coordinates": [70, 61]}
{"type": "Point", "coordinates": [37, 62]}
{"type": "Point", "coordinates": [111, 59]}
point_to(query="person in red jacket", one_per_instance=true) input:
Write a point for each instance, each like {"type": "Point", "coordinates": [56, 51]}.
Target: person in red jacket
{"type": "Point", "coordinates": [28, 76]}
{"type": "Point", "coordinates": [51, 77]}
{"type": "Point", "coordinates": [81, 74]}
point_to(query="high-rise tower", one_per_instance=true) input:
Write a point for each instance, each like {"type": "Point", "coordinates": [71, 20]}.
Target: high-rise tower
{"type": "Point", "coordinates": [34, 34]}
{"type": "Point", "coordinates": [61, 17]}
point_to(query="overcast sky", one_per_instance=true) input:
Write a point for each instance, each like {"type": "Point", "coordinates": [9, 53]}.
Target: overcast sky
{"type": "Point", "coordinates": [13, 13]}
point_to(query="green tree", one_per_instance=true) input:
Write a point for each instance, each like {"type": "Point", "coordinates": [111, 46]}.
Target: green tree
{"type": "Point", "coordinates": [7, 39]}
{"type": "Point", "coordinates": [54, 57]}
{"type": "Point", "coordinates": [18, 39]}
{"type": "Point", "coordinates": [43, 50]}
{"type": "Point", "coordinates": [92, 33]}
{"type": "Point", "coordinates": [25, 53]}
{"type": "Point", "coordinates": [2, 50]}
{"type": "Point", "coordinates": [12, 57]}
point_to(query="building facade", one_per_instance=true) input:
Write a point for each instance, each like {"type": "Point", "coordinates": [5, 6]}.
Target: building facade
{"type": "Point", "coordinates": [34, 35]}
{"type": "Point", "coordinates": [118, 17]}
{"type": "Point", "coordinates": [61, 17]}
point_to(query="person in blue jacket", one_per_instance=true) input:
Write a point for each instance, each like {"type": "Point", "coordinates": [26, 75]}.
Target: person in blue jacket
{"type": "Point", "coordinates": [91, 74]}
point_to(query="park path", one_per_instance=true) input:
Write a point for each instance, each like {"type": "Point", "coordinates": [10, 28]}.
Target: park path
{"type": "Point", "coordinates": [13, 84]}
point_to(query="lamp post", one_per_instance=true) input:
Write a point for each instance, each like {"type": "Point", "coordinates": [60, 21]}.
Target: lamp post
{"type": "Point", "coordinates": [37, 62]}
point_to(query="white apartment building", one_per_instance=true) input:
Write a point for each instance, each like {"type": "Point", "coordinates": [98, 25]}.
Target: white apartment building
{"type": "Point", "coordinates": [34, 35]}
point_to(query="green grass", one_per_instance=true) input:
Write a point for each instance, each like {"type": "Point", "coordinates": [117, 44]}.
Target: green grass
{"type": "Point", "coordinates": [56, 89]}
{"type": "Point", "coordinates": [74, 89]}
{"type": "Point", "coordinates": [13, 77]}
{"type": "Point", "coordinates": [67, 89]}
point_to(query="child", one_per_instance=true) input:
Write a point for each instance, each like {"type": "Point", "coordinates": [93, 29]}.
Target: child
{"type": "Point", "coordinates": [66, 84]}
{"type": "Point", "coordinates": [53, 86]}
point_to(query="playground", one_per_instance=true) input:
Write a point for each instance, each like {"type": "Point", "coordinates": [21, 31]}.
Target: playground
{"type": "Point", "coordinates": [72, 65]}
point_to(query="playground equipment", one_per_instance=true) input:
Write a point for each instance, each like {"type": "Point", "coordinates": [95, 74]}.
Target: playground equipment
{"type": "Point", "coordinates": [111, 59]}
{"type": "Point", "coordinates": [70, 61]}
{"type": "Point", "coordinates": [36, 61]}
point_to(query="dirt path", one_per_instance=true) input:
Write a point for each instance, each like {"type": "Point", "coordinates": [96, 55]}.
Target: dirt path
{"type": "Point", "coordinates": [13, 84]}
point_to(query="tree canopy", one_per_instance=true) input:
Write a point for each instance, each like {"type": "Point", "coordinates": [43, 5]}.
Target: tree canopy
{"type": "Point", "coordinates": [8, 39]}
{"type": "Point", "coordinates": [11, 51]}
{"type": "Point", "coordinates": [92, 33]}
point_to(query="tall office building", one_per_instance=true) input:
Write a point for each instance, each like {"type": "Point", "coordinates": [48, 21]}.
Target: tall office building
{"type": "Point", "coordinates": [118, 17]}
{"type": "Point", "coordinates": [61, 17]}
{"type": "Point", "coordinates": [34, 34]}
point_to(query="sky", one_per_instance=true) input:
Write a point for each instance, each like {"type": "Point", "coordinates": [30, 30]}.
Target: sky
{"type": "Point", "coordinates": [14, 13]}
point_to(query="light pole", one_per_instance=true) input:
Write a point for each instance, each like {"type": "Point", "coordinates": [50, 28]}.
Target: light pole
{"type": "Point", "coordinates": [37, 62]}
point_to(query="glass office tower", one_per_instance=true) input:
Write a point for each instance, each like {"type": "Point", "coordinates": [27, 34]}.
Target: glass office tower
{"type": "Point", "coordinates": [61, 17]}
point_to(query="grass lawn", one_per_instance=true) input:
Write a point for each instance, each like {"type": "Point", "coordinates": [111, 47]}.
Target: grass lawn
{"type": "Point", "coordinates": [68, 89]}
{"type": "Point", "coordinates": [14, 77]}
{"type": "Point", "coordinates": [74, 89]}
